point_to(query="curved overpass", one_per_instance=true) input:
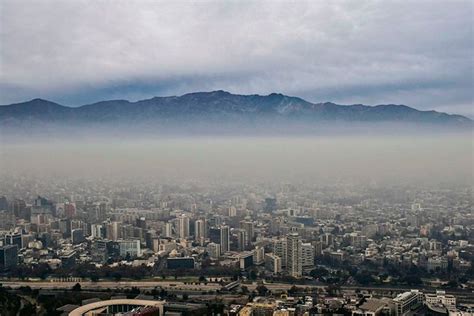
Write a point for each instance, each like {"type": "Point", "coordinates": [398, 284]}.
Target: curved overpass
{"type": "Point", "coordinates": [115, 305]}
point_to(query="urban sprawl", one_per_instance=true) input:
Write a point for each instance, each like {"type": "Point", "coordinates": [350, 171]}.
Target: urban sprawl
{"type": "Point", "coordinates": [270, 250]}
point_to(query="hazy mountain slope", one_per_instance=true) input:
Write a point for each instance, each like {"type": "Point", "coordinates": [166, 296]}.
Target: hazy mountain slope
{"type": "Point", "coordinates": [217, 108]}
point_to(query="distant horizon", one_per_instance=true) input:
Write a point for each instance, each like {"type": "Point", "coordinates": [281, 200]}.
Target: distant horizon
{"type": "Point", "coordinates": [471, 117]}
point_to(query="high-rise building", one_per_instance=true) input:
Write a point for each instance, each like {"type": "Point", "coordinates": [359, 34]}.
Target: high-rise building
{"type": "Point", "coordinates": [20, 210]}
{"type": "Point", "coordinates": [318, 247]}
{"type": "Point", "coordinates": [307, 256]}
{"type": "Point", "coordinates": [215, 235]}
{"type": "Point", "coordinates": [113, 231]}
{"type": "Point", "coordinates": [69, 210]}
{"type": "Point", "coordinates": [42, 205]}
{"type": "Point", "coordinates": [294, 255]}
{"type": "Point", "coordinates": [101, 212]}
{"type": "Point", "coordinates": [200, 229]}
{"type": "Point", "coordinates": [272, 263]}
{"type": "Point", "coordinates": [246, 260]}
{"type": "Point", "coordinates": [183, 226]}
{"type": "Point", "coordinates": [8, 257]}
{"type": "Point", "coordinates": [270, 204]}
{"type": "Point", "coordinates": [77, 236]}
{"type": "Point", "coordinates": [101, 250]}
{"type": "Point", "coordinates": [327, 239]}
{"type": "Point", "coordinates": [97, 231]}
{"type": "Point", "coordinates": [130, 247]}
{"type": "Point", "coordinates": [140, 222]}
{"type": "Point", "coordinates": [242, 239]}
{"type": "Point", "coordinates": [225, 239]}
{"type": "Point", "coordinates": [249, 227]}
{"type": "Point", "coordinates": [280, 249]}
{"type": "Point", "coordinates": [258, 255]}
{"type": "Point", "coordinates": [214, 250]}
{"type": "Point", "coordinates": [3, 203]}
{"type": "Point", "coordinates": [168, 230]}
{"type": "Point", "coordinates": [232, 211]}
{"type": "Point", "coordinates": [14, 239]}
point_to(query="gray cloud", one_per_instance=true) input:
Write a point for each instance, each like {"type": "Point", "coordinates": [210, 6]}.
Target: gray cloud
{"type": "Point", "coordinates": [413, 52]}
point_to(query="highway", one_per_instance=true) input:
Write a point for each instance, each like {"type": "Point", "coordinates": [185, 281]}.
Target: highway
{"type": "Point", "coordinates": [103, 285]}
{"type": "Point", "coordinates": [179, 285]}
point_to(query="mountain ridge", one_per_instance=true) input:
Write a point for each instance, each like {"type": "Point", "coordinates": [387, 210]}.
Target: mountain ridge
{"type": "Point", "coordinates": [220, 106]}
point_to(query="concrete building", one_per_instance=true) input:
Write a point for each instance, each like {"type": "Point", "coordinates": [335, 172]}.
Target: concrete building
{"type": "Point", "coordinates": [242, 239]}
{"type": "Point", "coordinates": [408, 301]}
{"type": "Point", "coordinates": [130, 247]}
{"type": "Point", "coordinates": [200, 230]}
{"type": "Point", "coordinates": [14, 239]}
{"type": "Point", "coordinates": [113, 231]}
{"type": "Point", "coordinates": [258, 255]}
{"type": "Point", "coordinates": [214, 250]}
{"type": "Point", "coordinates": [8, 257]}
{"type": "Point", "coordinates": [279, 249]}
{"type": "Point", "coordinates": [441, 298]}
{"type": "Point", "coordinates": [246, 260]}
{"type": "Point", "coordinates": [294, 255]}
{"type": "Point", "coordinates": [273, 263]}
{"type": "Point", "coordinates": [248, 226]}
{"type": "Point", "coordinates": [168, 230]}
{"type": "Point", "coordinates": [97, 231]}
{"type": "Point", "coordinates": [307, 256]}
{"type": "Point", "coordinates": [77, 236]}
{"type": "Point", "coordinates": [180, 263]}
{"type": "Point", "coordinates": [183, 226]}
{"type": "Point", "coordinates": [225, 239]}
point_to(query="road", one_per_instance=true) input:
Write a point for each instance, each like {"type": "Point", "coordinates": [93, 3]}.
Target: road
{"type": "Point", "coordinates": [103, 285]}
{"type": "Point", "coordinates": [178, 287]}
{"type": "Point", "coordinates": [168, 284]}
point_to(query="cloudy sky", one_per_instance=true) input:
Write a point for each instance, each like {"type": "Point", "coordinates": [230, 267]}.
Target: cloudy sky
{"type": "Point", "coordinates": [417, 53]}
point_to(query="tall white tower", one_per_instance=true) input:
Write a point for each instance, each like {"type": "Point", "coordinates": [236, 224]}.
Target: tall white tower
{"type": "Point", "coordinates": [183, 226]}
{"type": "Point", "coordinates": [294, 255]}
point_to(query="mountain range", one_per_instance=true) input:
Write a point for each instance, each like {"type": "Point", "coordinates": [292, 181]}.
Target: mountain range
{"type": "Point", "coordinates": [217, 108]}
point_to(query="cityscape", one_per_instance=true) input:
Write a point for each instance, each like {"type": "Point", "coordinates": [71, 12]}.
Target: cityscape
{"type": "Point", "coordinates": [236, 158]}
{"type": "Point", "coordinates": [283, 248]}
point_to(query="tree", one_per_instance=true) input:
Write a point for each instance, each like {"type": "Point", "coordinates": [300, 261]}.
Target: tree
{"type": "Point", "coordinates": [253, 275]}
{"type": "Point", "coordinates": [293, 290]}
{"type": "Point", "coordinates": [363, 277]}
{"type": "Point", "coordinates": [117, 276]}
{"type": "Point", "coordinates": [333, 289]}
{"type": "Point", "coordinates": [412, 279]}
{"type": "Point", "coordinates": [262, 290]}
{"type": "Point", "coordinates": [319, 273]}
{"type": "Point", "coordinates": [27, 310]}
{"type": "Point", "coordinates": [76, 287]}
{"type": "Point", "coordinates": [134, 291]}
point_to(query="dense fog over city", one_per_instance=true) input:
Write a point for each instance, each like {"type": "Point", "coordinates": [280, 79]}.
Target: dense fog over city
{"type": "Point", "coordinates": [325, 159]}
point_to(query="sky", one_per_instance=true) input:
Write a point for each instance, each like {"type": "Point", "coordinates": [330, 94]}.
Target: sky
{"type": "Point", "coordinates": [417, 53]}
